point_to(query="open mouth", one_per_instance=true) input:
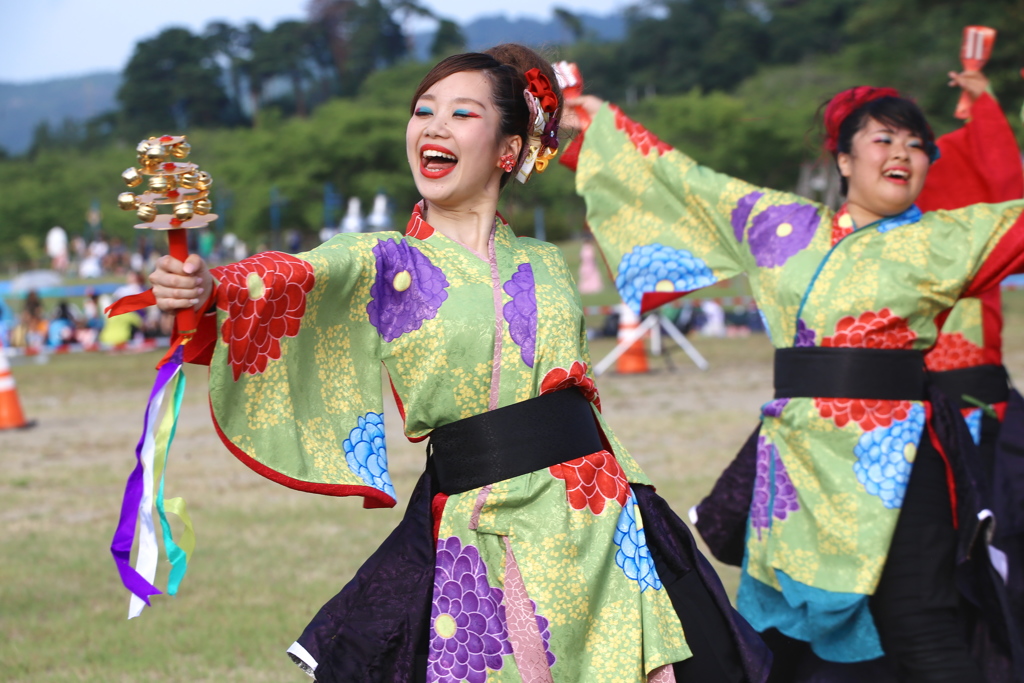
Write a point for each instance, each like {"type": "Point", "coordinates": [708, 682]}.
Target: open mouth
{"type": "Point", "coordinates": [436, 161]}
{"type": "Point", "coordinates": [898, 175]}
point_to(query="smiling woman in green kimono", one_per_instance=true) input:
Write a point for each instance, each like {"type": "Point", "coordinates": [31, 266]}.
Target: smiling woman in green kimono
{"type": "Point", "coordinates": [534, 548]}
{"type": "Point", "coordinates": [850, 538]}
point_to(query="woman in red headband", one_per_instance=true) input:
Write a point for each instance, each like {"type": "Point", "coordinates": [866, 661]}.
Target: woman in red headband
{"type": "Point", "coordinates": [860, 491]}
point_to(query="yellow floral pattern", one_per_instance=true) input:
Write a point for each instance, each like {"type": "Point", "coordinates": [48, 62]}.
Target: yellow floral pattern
{"type": "Point", "coordinates": [908, 271]}
{"type": "Point", "coordinates": [292, 423]}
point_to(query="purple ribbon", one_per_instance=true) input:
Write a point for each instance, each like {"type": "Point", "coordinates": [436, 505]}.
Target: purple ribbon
{"type": "Point", "coordinates": [124, 536]}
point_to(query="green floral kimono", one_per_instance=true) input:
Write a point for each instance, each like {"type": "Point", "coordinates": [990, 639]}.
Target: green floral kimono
{"type": "Point", "coordinates": [831, 472]}
{"type": "Point", "coordinates": [546, 576]}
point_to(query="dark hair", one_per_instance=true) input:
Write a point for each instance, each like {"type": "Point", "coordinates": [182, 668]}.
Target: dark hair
{"type": "Point", "coordinates": [898, 112]}
{"type": "Point", "coordinates": [504, 66]}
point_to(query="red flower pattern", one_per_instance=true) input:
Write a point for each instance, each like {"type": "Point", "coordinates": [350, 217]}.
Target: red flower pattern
{"type": "Point", "coordinates": [593, 480]}
{"type": "Point", "coordinates": [868, 413]}
{"type": "Point", "coordinates": [842, 225]}
{"type": "Point", "coordinates": [952, 352]}
{"type": "Point", "coordinates": [265, 297]}
{"type": "Point", "coordinates": [643, 139]}
{"type": "Point", "coordinates": [575, 376]}
{"type": "Point", "coordinates": [872, 330]}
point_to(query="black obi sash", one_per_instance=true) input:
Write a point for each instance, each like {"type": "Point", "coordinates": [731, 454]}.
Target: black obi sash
{"type": "Point", "coordinates": [515, 440]}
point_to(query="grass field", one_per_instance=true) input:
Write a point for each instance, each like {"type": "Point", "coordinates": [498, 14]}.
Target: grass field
{"type": "Point", "coordinates": [268, 557]}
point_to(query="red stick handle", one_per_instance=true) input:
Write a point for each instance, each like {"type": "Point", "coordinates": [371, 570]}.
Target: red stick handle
{"type": "Point", "coordinates": [177, 240]}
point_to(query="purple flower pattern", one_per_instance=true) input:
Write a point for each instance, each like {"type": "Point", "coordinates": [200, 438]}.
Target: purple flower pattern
{"type": "Point", "coordinates": [468, 632]}
{"type": "Point", "coordinates": [742, 212]}
{"type": "Point", "coordinates": [779, 232]}
{"type": "Point", "coordinates": [521, 312]}
{"type": "Point", "coordinates": [774, 493]}
{"type": "Point", "coordinates": [407, 291]}
{"type": "Point", "coordinates": [804, 334]}
{"type": "Point", "coordinates": [774, 407]}
{"type": "Point", "coordinates": [544, 626]}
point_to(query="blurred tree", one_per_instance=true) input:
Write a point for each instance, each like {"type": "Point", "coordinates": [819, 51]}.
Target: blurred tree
{"type": "Point", "coordinates": [571, 22]}
{"type": "Point", "coordinates": [257, 69]}
{"type": "Point", "coordinates": [448, 39]}
{"type": "Point", "coordinates": [231, 47]}
{"type": "Point", "coordinates": [285, 51]}
{"type": "Point", "coordinates": [364, 35]}
{"type": "Point", "coordinates": [393, 87]}
{"type": "Point", "coordinates": [798, 28]}
{"type": "Point", "coordinates": [171, 82]}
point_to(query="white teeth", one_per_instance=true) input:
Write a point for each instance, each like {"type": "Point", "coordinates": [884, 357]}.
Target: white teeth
{"type": "Point", "coordinates": [437, 154]}
{"type": "Point", "coordinates": [897, 174]}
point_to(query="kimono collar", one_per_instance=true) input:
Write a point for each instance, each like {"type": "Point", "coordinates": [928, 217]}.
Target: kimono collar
{"type": "Point", "coordinates": [421, 230]}
{"type": "Point", "coordinates": [842, 223]}
{"type": "Point", "coordinates": [418, 227]}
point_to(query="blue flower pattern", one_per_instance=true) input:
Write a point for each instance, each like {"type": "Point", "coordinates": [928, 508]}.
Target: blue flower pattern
{"type": "Point", "coordinates": [973, 420]}
{"type": "Point", "coordinates": [367, 454]}
{"type": "Point", "coordinates": [657, 268]}
{"type": "Point", "coordinates": [633, 555]}
{"type": "Point", "coordinates": [882, 466]}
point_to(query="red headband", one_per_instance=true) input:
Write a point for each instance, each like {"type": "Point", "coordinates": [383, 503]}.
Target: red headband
{"type": "Point", "coordinates": [844, 104]}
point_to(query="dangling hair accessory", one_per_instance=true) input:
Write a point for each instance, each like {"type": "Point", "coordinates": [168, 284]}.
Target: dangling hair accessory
{"type": "Point", "coordinates": [508, 162]}
{"type": "Point", "coordinates": [542, 141]}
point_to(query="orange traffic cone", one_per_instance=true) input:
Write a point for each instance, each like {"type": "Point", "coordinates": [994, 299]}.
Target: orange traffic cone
{"type": "Point", "coordinates": [11, 416]}
{"type": "Point", "coordinates": [634, 359]}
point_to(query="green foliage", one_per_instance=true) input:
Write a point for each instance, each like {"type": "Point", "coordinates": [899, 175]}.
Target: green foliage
{"type": "Point", "coordinates": [448, 40]}
{"type": "Point", "coordinates": [171, 82]}
{"type": "Point", "coordinates": [358, 146]}
{"type": "Point", "coordinates": [394, 86]}
{"type": "Point", "coordinates": [727, 133]}
{"type": "Point", "coordinates": [737, 85]}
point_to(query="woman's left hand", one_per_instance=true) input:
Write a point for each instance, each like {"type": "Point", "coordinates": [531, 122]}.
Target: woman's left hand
{"type": "Point", "coordinates": [573, 121]}
{"type": "Point", "coordinates": [974, 83]}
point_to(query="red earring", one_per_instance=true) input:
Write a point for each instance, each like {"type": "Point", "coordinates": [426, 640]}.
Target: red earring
{"type": "Point", "coordinates": [508, 162]}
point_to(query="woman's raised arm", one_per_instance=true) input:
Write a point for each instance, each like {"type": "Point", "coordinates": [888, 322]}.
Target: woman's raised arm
{"type": "Point", "coordinates": [667, 225]}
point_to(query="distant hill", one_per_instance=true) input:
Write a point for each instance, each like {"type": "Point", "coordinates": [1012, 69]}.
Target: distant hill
{"type": "Point", "coordinates": [487, 31]}
{"type": "Point", "coordinates": [23, 106]}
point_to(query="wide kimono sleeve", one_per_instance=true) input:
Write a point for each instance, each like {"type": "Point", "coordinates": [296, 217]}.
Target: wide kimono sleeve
{"type": "Point", "coordinates": [989, 240]}
{"type": "Point", "coordinates": [295, 369]}
{"type": "Point", "coordinates": [668, 226]}
{"type": "Point", "coordinates": [980, 162]}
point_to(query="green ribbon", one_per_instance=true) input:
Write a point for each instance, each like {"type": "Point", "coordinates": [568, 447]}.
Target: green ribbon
{"type": "Point", "coordinates": [985, 408]}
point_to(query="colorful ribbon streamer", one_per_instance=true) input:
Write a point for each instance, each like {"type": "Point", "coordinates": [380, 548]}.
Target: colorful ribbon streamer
{"type": "Point", "coordinates": [137, 505]}
{"type": "Point", "coordinates": [178, 555]}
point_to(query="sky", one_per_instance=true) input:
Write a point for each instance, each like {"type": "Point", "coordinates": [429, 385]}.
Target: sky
{"type": "Point", "coordinates": [46, 39]}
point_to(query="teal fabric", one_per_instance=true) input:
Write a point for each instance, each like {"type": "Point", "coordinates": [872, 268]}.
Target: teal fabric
{"type": "Point", "coordinates": [838, 626]}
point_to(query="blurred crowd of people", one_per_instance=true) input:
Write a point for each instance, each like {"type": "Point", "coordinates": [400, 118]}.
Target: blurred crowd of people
{"type": "Point", "coordinates": [66, 322]}
{"type": "Point", "coordinates": [102, 256]}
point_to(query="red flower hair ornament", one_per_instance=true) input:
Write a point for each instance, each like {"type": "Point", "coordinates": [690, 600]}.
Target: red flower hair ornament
{"type": "Point", "coordinates": [542, 140]}
{"type": "Point", "coordinates": [538, 84]}
{"type": "Point", "coordinates": [844, 104]}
